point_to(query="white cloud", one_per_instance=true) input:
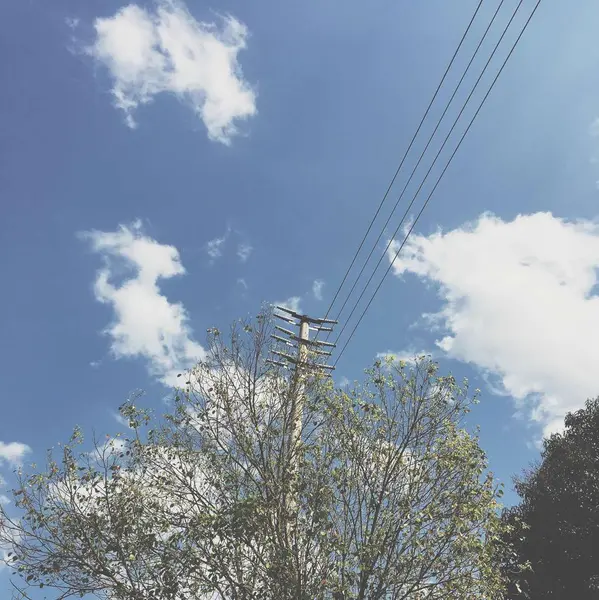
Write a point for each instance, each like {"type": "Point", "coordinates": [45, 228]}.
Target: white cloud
{"type": "Point", "coordinates": [243, 283]}
{"type": "Point", "coordinates": [13, 453]}
{"type": "Point", "coordinates": [244, 251]}
{"type": "Point", "coordinates": [517, 302]}
{"type": "Point", "coordinates": [317, 288]}
{"type": "Point", "coordinates": [166, 50]}
{"type": "Point", "coordinates": [145, 323]}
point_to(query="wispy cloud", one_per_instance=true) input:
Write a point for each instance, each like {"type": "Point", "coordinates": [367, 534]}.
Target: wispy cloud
{"type": "Point", "coordinates": [244, 251]}
{"type": "Point", "coordinates": [407, 356]}
{"type": "Point", "coordinates": [594, 132]}
{"type": "Point", "coordinates": [120, 419]}
{"type": "Point", "coordinates": [242, 282]}
{"type": "Point", "coordinates": [343, 382]}
{"type": "Point", "coordinates": [293, 303]}
{"type": "Point", "coordinates": [13, 453]}
{"type": "Point", "coordinates": [317, 288]}
{"type": "Point", "coordinates": [72, 22]}
{"type": "Point", "coordinates": [166, 50]}
{"type": "Point", "coordinates": [519, 301]}
{"type": "Point", "coordinates": [146, 324]}
{"type": "Point", "coordinates": [214, 248]}
{"type": "Point", "coordinates": [3, 498]}
{"type": "Point", "coordinates": [109, 449]}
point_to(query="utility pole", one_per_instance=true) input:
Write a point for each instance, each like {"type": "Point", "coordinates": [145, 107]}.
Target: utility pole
{"type": "Point", "coordinates": [302, 362]}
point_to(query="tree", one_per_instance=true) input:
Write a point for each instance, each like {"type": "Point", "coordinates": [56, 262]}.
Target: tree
{"type": "Point", "coordinates": [385, 495]}
{"type": "Point", "coordinates": [555, 528]}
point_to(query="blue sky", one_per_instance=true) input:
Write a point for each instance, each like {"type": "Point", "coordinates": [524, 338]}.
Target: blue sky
{"type": "Point", "coordinates": [248, 168]}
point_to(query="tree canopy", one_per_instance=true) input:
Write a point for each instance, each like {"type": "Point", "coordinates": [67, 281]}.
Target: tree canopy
{"type": "Point", "coordinates": [555, 528]}
{"type": "Point", "coordinates": [385, 495]}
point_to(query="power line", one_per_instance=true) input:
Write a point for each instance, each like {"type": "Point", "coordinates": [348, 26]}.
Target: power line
{"type": "Point", "coordinates": [447, 137]}
{"type": "Point", "coordinates": [438, 181]}
{"type": "Point", "coordinates": [457, 87]}
{"type": "Point", "coordinates": [378, 210]}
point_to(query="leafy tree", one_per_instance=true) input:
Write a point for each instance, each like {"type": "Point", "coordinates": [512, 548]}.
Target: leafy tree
{"type": "Point", "coordinates": [555, 528]}
{"type": "Point", "coordinates": [384, 496]}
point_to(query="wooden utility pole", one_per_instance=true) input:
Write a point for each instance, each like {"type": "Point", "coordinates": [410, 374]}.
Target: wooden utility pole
{"type": "Point", "coordinates": [303, 362]}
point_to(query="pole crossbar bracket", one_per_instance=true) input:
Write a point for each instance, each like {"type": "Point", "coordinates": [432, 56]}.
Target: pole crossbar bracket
{"type": "Point", "coordinates": [296, 338]}
{"type": "Point", "coordinates": [278, 363]}
{"type": "Point", "coordinates": [300, 317]}
{"type": "Point", "coordinates": [320, 352]}
{"type": "Point", "coordinates": [285, 331]}
{"type": "Point", "coordinates": [321, 329]}
{"type": "Point", "coordinates": [286, 319]}
{"type": "Point", "coordinates": [283, 340]}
